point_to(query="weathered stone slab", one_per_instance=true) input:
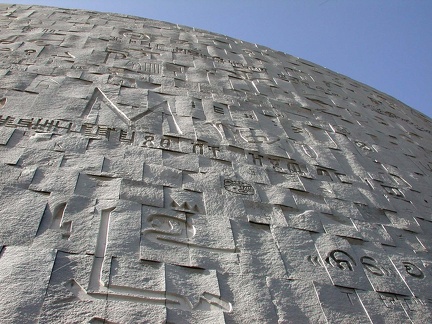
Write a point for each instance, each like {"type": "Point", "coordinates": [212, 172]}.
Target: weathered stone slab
{"type": "Point", "coordinates": [152, 172]}
{"type": "Point", "coordinates": [341, 262]}
{"type": "Point", "coordinates": [24, 277]}
{"type": "Point", "coordinates": [23, 210]}
{"type": "Point", "coordinates": [288, 297]}
{"type": "Point", "coordinates": [300, 257]}
{"type": "Point", "coordinates": [340, 305]}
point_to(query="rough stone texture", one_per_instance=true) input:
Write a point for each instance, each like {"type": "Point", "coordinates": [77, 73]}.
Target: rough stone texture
{"type": "Point", "coordinates": [152, 172]}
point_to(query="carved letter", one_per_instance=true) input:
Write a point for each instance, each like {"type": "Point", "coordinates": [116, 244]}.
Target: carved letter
{"type": "Point", "coordinates": [369, 265]}
{"type": "Point", "coordinates": [413, 270]}
{"type": "Point", "coordinates": [341, 263]}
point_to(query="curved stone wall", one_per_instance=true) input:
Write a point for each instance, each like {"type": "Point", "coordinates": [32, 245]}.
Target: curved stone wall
{"type": "Point", "coordinates": [152, 172]}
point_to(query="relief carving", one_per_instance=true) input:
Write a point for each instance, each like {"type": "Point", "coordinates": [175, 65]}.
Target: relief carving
{"type": "Point", "coordinates": [340, 259]}
{"type": "Point", "coordinates": [239, 187]}
{"type": "Point", "coordinates": [220, 166]}
{"type": "Point", "coordinates": [413, 270]}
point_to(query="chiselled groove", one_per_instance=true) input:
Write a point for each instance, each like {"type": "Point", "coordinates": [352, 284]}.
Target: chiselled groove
{"type": "Point", "coordinates": [315, 260]}
{"type": "Point", "coordinates": [246, 181]}
{"type": "Point", "coordinates": [98, 320]}
{"type": "Point", "coordinates": [77, 290]}
{"type": "Point", "coordinates": [149, 296]}
{"type": "Point", "coordinates": [137, 295]}
{"type": "Point", "coordinates": [172, 121]}
{"type": "Point", "coordinates": [52, 219]}
{"type": "Point", "coordinates": [216, 301]}
{"type": "Point", "coordinates": [58, 215]}
{"type": "Point", "coordinates": [102, 239]}
{"type": "Point", "coordinates": [174, 231]}
{"type": "Point", "coordinates": [3, 102]}
{"type": "Point", "coordinates": [90, 103]}
{"type": "Point", "coordinates": [147, 111]}
{"type": "Point", "coordinates": [48, 81]}
{"type": "Point", "coordinates": [101, 177]}
{"type": "Point", "coordinates": [99, 255]}
{"type": "Point", "coordinates": [98, 94]}
{"type": "Point", "coordinates": [114, 108]}
{"type": "Point", "coordinates": [153, 236]}
{"type": "Point", "coordinates": [98, 290]}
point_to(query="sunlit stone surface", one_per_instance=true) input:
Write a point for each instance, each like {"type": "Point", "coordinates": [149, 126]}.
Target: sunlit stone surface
{"type": "Point", "coordinates": [156, 173]}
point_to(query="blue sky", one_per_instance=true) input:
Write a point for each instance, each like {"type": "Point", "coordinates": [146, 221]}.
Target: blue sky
{"type": "Point", "coordinates": [386, 44]}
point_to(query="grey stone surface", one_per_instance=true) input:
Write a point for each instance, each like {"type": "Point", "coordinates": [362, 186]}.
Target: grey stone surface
{"type": "Point", "coordinates": [152, 173]}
